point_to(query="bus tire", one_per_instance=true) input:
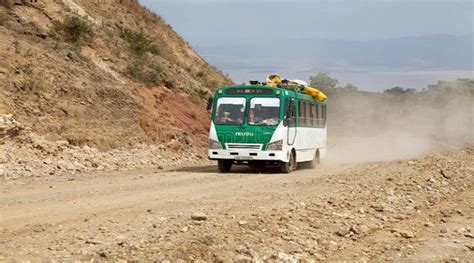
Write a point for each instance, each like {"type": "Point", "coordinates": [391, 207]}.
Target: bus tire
{"type": "Point", "coordinates": [315, 162]}
{"type": "Point", "coordinates": [289, 166]}
{"type": "Point", "coordinates": [224, 165]}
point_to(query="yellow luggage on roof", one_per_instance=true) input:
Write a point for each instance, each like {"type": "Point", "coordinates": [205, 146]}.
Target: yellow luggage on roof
{"type": "Point", "coordinates": [275, 80]}
{"type": "Point", "coordinates": [315, 93]}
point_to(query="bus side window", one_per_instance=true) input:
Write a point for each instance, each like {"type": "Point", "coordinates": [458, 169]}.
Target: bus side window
{"type": "Point", "coordinates": [303, 113]}
{"type": "Point", "coordinates": [313, 115]}
{"type": "Point", "coordinates": [317, 115]}
{"type": "Point", "coordinates": [324, 115]}
{"type": "Point", "coordinates": [307, 116]}
{"type": "Point", "coordinates": [300, 113]}
{"type": "Point", "coordinates": [321, 115]}
{"type": "Point", "coordinates": [290, 112]}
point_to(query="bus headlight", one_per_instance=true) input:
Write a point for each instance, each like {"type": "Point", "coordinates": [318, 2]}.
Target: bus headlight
{"type": "Point", "coordinates": [275, 146]}
{"type": "Point", "coordinates": [214, 145]}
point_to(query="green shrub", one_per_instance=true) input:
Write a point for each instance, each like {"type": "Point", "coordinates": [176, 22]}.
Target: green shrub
{"type": "Point", "coordinates": [34, 85]}
{"type": "Point", "coordinates": [211, 84]}
{"type": "Point", "coordinates": [139, 43]}
{"type": "Point", "coordinates": [2, 20]}
{"type": "Point", "coordinates": [155, 50]}
{"type": "Point", "coordinates": [53, 34]}
{"type": "Point", "coordinates": [149, 75]}
{"type": "Point", "coordinates": [28, 53]}
{"type": "Point", "coordinates": [8, 4]}
{"type": "Point", "coordinates": [155, 67]}
{"type": "Point", "coordinates": [74, 29]}
{"type": "Point", "coordinates": [136, 71]}
{"type": "Point", "coordinates": [202, 92]}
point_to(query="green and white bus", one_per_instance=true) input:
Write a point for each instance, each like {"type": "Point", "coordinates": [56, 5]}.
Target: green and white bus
{"type": "Point", "coordinates": [258, 125]}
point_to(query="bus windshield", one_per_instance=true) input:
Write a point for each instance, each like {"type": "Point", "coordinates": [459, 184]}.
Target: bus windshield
{"type": "Point", "coordinates": [230, 111]}
{"type": "Point", "coordinates": [264, 111]}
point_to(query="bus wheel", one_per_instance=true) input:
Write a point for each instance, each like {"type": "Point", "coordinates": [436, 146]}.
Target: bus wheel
{"type": "Point", "coordinates": [224, 165]}
{"type": "Point", "coordinates": [290, 165]}
{"type": "Point", "coordinates": [315, 162]}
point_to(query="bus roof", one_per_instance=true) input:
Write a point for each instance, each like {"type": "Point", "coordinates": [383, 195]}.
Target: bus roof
{"type": "Point", "coordinates": [286, 91]}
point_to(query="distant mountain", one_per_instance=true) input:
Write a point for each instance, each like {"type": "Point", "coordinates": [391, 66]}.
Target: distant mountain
{"type": "Point", "coordinates": [307, 55]}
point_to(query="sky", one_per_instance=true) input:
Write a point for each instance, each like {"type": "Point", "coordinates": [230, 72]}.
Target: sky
{"type": "Point", "coordinates": [205, 22]}
{"type": "Point", "coordinates": [222, 23]}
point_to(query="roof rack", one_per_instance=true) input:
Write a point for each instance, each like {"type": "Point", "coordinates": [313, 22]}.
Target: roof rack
{"type": "Point", "coordinates": [256, 82]}
{"type": "Point", "coordinates": [285, 84]}
{"type": "Point", "coordinates": [295, 85]}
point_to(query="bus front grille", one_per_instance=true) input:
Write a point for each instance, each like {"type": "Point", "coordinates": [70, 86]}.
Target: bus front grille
{"type": "Point", "coordinates": [245, 146]}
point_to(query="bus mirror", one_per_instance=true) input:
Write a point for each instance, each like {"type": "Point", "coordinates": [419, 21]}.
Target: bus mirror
{"type": "Point", "coordinates": [209, 104]}
{"type": "Point", "coordinates": [285, 122]}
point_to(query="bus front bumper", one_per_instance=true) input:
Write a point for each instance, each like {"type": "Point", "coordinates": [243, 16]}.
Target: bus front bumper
{"type": "Point", "coordinates": [247, 155]}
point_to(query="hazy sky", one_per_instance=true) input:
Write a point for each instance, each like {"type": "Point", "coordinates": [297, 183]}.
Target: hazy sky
{"type": "Point", "coordinates": [208, 22]}
{"type": "Point", "coordinates": [214, 25]}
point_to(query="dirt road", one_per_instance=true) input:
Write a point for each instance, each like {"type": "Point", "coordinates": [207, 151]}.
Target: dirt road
{"type": "Point", "coordinates": [404, 210]}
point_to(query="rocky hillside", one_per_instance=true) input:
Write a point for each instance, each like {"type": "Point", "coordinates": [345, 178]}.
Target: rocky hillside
{"type": "Point", "coordinates": [102, 73]}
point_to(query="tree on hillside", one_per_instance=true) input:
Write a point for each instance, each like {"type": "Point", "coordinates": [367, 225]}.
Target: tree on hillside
{"type": "Point", "coordinates": [410, 91]}
{"type": "Point", "coordinates": [459, 83]}
{"type": "Point", "coordinates": [323, 82]}
{"type": "Point", "coordinates": [400, 91]}
{"type": "Point", "coordinates": [351, 87]}
{"type": "Point", "coordinates": [395, 90]}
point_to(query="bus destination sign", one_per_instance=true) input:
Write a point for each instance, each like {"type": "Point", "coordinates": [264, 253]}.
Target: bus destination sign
{"type": "Point", "coordinates": [249, 91]}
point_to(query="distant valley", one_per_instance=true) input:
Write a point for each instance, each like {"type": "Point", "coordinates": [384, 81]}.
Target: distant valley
{"type": "Point", "coordinates": [376, 64]}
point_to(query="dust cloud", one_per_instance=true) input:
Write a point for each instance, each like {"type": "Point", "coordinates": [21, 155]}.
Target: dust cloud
{"type": "Point", "coordinates": [364, 126]}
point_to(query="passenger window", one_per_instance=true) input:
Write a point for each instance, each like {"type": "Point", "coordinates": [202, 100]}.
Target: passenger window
{"type": "Point", "coordinates": [317, 115]}
{"type": "Point", "coordinates": [324, 115]}
{"type": "Point", "coordinates": [314, 115]}
{"type": "Point", "coordinates": [308, 114]}
{"type": "Point", "coordinates": [301, 113]}
{"type": "Point", "coordinates": [264, 111]}
{"type": "Point", "coordinates": [290, 113]}
{"type": "Point", "coordinates": [311, 115]}
{"type": "Point", "coordinates": [230, 111]}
